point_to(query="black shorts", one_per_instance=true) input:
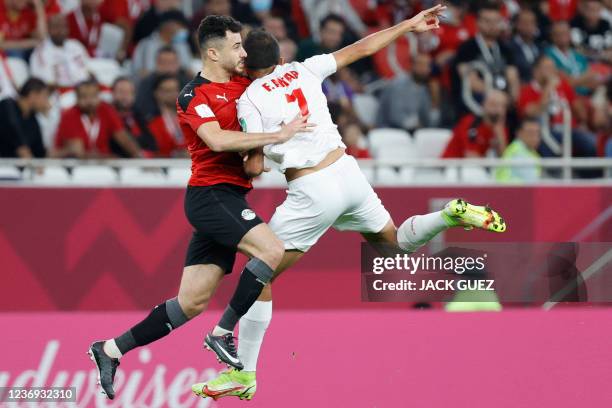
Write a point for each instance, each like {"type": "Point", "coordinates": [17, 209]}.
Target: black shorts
{"type": "Point", "coordinates": [220, 217]}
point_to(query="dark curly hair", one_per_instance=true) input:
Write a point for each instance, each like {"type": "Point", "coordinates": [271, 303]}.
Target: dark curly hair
{"type": "Point", "coordinates": [215, 27]}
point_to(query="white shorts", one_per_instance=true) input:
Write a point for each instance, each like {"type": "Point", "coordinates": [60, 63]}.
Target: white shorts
{"type": "Point", "coordinates": [337, 196]}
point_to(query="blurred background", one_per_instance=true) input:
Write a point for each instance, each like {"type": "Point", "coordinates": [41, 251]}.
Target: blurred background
{"type": "Point", "coordinates": [508, 103]}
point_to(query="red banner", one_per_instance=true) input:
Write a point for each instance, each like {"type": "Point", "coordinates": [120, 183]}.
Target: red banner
{"type": "Point", "coordinates": [122, 249]}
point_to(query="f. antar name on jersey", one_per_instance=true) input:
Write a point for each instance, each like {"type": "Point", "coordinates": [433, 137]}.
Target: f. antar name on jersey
{"type": "Point", "coordinates": [280, 82]}
{"type": "Point", "coordinates": [202, 101]}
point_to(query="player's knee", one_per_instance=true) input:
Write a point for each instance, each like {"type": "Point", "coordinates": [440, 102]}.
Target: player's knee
{"type": "Point", "coordinates": [193, 305]}
{"type": "Point", "coordinates": [273, 253]}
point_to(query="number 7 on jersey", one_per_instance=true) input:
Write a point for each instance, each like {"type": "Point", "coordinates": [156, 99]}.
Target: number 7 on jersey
{"type": "Point", "coordinates": [298, 95]}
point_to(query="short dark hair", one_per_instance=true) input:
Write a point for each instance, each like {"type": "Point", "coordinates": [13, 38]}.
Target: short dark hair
{"type": "Point", "coordinates": [166, 49]}
{"type": "Point", "coordinates": [262, 50]}
{"type": "Point", "coordinates": [91, 81]}
{"type": "Point", "coordinates": [32, 85]}
{"type": "Point", "coordinates": [489, 6]}
{"type": "Point", "coordinates": [121, 78]}
{"type": "Point", "coordinates": [529, 120]}
{"type": "Point", "coordinates": [161, 78]}
{"type": "Point", "coordinates": [175, 16]}
{"type": "Point", "coordinates": [215, 27]}
{"type": "Point", "coordinates": [332, 18]}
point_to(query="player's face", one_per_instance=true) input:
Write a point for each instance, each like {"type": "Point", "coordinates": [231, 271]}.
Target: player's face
{"type": "Point", "coordinates": [231, 53]}
{"type": "Point", "coordinates": [88, 98]}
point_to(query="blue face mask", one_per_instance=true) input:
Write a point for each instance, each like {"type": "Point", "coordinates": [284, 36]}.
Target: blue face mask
{"type": "Point", "coordinates": [259, 6]}
{"type": "Point", "coordinates": [181, 36]}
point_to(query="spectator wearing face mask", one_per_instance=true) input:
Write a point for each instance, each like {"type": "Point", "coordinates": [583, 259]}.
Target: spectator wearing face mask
{"type": "Point", "coordinates": [172, 32]}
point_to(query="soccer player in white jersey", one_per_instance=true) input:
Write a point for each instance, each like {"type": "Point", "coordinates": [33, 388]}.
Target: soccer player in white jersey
{"type": "Point", "coordinates": [326, 187]}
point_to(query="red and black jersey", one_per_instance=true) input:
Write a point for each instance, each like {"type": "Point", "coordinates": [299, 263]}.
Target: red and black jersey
{"type": "Point", "coordinates": [202, 101]}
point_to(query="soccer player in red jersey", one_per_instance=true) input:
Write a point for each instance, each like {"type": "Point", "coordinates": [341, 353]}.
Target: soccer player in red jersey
{"type": "Point", "coordinates": [215, 205]}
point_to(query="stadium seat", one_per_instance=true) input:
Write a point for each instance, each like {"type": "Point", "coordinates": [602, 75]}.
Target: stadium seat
{"type": "Point", "coordinates": [94, 175]}
{"type": "Point", "coordinates": [105, 70]}
{"type": "Point", "coordinates": [369, 173]}
{"type": "Point", "coordinates": [9, 173]}
{"type": "Point", "coordinates": [51, 175]}
{"type": "Point", "coordinates": [431, 143]}
{"type": "Point", "coordinates": [140, 176]}
{"type": "Point", "coordinates": [67, 100]}
{"type": "Point", "coordinates": [387, 137]}
{"type": "Point", "coordinates": [386, 176]}
{"type": "Point", "coordinates": [19, 71]}
{"type": "Point", "coordinates": [366, 108]}
{"type": "Point", "coordinates": [475, 175]}
{"type": "Point", "coordinates": [179, 176]}
{"type": "Point", "coordinates": [397, 151]}
{"type": "Point", "coordinates": [429, 176]}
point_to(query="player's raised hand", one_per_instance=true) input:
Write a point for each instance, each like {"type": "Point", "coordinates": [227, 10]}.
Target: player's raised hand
{"type": "Point", "coordinates": [297, 125]}
{"type": "Point", "coordinates": [427, 19]}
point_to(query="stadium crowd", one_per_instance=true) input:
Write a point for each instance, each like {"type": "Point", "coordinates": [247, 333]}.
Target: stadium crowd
{"type": "Point", "coordinates": [508, 77]}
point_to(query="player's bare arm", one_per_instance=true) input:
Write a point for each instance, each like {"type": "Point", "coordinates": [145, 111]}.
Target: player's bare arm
{"type": "Point", "coordinates": [220, 140]}
{"type": "Point", "coordinates": [424, 21]}
{"type": "Point", "coordinates": [254, 162]}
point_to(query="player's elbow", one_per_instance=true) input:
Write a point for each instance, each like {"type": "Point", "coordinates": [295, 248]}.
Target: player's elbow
{"type": "Point", "coordinates": [215, 144]}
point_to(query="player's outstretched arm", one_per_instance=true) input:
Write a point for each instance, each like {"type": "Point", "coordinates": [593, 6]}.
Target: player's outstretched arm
{"type": "Point", "coordinates": [424, 21]}
{"type": "Point", "coordinates": [220, 140]}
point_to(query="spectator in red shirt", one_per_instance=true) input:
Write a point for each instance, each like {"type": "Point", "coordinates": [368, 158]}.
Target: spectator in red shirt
{"type": "Point", "coordinates": [124, 95]}
{"type": "Point", "coordinates": [85, 24]}
{"type": "Point", "coordinates": [545, 98]}
{"type": "Point", "coordinates": [165, 127]}
{"type": "Point", "coordinates": [560, 10]}
{"type": "Point", "coordinates": [22, 26]}
{"type": "Point", "coordinates": [353, 138]}
{"type": "Point", "coordinates": [86, 129]}
{"type": "Point", "coordinates": [474, 136]}
{"type": "Point", "coordinates": [455, 29]}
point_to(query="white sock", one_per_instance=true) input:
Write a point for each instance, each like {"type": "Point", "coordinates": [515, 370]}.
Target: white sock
{"type": "Point", "coordinates": [253, 327]}
{"type": "Point", "coordinates": [418, 230]}
{"type": "Point", "coordinates": [111, 349]}
{"type": "Point", "coordinates": [220, 331]}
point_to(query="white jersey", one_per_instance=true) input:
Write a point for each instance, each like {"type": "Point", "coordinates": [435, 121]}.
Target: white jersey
{"type": "Point", "coordinates": [63, 66]}
{"type": "Point", "coordinates": [276, 99]}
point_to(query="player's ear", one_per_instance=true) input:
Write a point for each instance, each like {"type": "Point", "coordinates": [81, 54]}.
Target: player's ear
{"type": "Point", "coordinates": [212, 54]}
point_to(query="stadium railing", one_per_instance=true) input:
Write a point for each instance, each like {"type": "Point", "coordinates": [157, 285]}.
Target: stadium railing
{"type": "Point", "coordinates": [408, 171]}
